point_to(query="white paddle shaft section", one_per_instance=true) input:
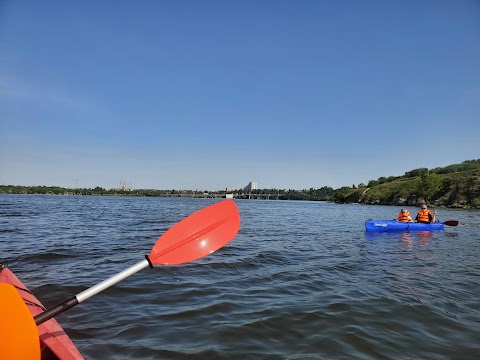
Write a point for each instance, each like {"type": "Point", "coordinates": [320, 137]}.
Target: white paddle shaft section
{"type": "Point", "coordinates": [105, 284]}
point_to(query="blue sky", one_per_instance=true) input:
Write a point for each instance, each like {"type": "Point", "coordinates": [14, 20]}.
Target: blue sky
{"type": "Point", "coordinates": [214, 94]}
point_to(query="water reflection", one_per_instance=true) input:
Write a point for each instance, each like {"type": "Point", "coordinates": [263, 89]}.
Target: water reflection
{"type": "Point", "coordinates": [424, 238]}
{"type": "Point", "coordinates": [369, 235]}
{"type": "Point", "coordinates": [451, 234]}
{"type": "Point", "coordinates": [407, 238]}
{"type": "Point", "coordinates": [408, 262]}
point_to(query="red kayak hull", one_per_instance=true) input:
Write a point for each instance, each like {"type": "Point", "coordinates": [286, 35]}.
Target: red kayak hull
{"type": "Point", "coordinates": [54, 342]}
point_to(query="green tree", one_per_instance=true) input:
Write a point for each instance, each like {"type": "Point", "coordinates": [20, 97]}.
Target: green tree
{"type": "Point", "coordinates": [476, 203]}
{"type": "Point", "coordinates": [342, 193]}
{"type": "Point", "coordinates": [416, 172]}
{"type": "Point", "coordinates": [382, 179]}
{"type": "Point", "coordinates": [429, 184]}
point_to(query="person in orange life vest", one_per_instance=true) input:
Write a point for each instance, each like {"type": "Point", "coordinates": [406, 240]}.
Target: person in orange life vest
{"type": "Point", "coordinates": [425, 216]}
{"type": "Point", "coordinates": [404, 216]}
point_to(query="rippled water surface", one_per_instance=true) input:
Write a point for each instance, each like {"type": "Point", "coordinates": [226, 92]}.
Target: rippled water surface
{"type": "Point", "coordinates": [302, 280]}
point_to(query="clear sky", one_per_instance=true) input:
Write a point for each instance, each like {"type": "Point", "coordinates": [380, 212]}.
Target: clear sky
{"type": "Point", "coordinates": [214, 94]}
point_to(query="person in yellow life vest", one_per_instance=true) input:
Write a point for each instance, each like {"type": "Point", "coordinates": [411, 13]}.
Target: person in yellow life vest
{"type": "Point", "coordinates": [404, 216]}
{"type": "Point", "coordinates": [425, 216]}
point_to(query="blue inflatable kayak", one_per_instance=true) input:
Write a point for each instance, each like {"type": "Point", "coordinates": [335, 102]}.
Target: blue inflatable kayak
{"type": "Point", "coordinates": [394, 225]}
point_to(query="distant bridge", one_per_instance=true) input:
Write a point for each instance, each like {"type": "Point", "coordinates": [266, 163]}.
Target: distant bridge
{"type": "Point", "coordinates": [214, 195]}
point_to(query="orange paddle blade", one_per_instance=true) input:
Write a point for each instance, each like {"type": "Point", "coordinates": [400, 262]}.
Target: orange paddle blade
{"type": "Point", "coordinates": [18, 332]}
{"type": "Point", "coordinates": [198, 235]}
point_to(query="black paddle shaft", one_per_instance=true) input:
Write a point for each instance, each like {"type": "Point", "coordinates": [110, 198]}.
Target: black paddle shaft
{"type": "Point", "coordinates": [58, 309]}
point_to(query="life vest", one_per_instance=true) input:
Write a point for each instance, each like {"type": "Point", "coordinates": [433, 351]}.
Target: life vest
{"type": "Point", "coordinates": [403, 216]}
{"type": "Point", "coordinates": [423, 216]}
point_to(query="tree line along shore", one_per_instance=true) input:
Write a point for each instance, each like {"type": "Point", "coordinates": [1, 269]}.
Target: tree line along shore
{"type": "Point", "coordinates": [456, 186]}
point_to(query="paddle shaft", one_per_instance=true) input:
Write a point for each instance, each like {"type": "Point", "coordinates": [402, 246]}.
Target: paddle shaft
{"type": "Point", "coordinates": [88, 293]}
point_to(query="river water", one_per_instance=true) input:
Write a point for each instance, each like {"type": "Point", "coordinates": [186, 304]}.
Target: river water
{"type": "Point", "coordinates": [302, 280]}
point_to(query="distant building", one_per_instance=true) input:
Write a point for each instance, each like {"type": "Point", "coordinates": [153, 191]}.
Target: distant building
{"type": "Point", "coordinates": [124, 186]}
{"type": "Point", "coordinates": [252, 185]}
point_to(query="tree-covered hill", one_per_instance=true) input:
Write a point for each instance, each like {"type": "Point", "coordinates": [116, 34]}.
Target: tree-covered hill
{"type": "Point", "coordinates": [455, 185]}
